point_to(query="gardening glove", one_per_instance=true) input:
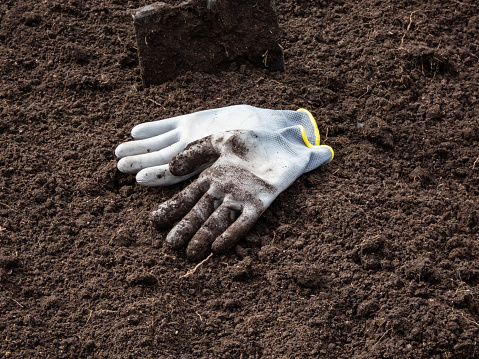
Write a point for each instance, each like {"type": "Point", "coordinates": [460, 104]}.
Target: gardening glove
{"type": "Point", "coordinates": [249, 170]}
{"type": "Point", "coordinates": [158, 141]}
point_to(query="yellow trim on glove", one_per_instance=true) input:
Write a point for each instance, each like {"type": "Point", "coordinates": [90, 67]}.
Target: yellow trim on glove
{"type": "Point", "coordinates": [315, 127]}
{"type": "Point", "coordinates": [316, 134]}
{"type": "Point", "coordinates": [331, 149]}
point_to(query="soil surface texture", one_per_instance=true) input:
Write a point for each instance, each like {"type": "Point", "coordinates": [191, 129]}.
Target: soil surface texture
{"type": "Point", "coordinates": [375, 255]}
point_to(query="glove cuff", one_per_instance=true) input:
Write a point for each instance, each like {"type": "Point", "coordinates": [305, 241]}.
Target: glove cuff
{"type": "Point", "coordinates": [316, 134]}
{"type": "Point", "coordinates": [315, 128]}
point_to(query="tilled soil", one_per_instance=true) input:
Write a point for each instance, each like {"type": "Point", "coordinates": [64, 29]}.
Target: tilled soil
{"type": "Point", "coordinates": [375, 255]}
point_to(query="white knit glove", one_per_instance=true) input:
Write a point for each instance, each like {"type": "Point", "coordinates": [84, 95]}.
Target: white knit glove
{"type": "Point", "coordinates": [250, 169]}
{"type": "Point", "coordinates": [158, 141]}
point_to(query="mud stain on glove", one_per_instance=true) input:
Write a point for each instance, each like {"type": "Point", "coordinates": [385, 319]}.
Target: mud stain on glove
{"type": "Point", "coordinates": [238, 147]}
{"type": "Point", "coordinates": [193, 157]}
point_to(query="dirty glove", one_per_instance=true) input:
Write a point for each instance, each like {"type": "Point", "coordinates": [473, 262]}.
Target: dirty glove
{"type": "Point", "coordinates": [250, 169]}
{"type": "Point", "coordinates": [158, 141]}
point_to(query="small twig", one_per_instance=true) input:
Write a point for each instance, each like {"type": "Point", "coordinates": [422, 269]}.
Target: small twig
{"type": "Point", "coordinates": [326, 135]}
{"type": "Point", "coordinates": [364, 94]}
{"type": "Point", "coordinates": [119, 39]}
{"type": "Point", "coordinates": [89, 317]}
{"type": "Point", "coordinates": [265, 58]}
{"type": "Point", "coordinates": [192, 271]}
{"type": "Point", "coordinates": [475, 162]}
{"type": "Point", "coordinates": [408, 27]}
{"type": "Point", "coordinates": [382, 336]}
{"type": "Point", "coordinates": [469, 320]}
{"type": "Point", "coordinates": [156, 103]}
{"type": "Point", "coordinates": [21, 306]}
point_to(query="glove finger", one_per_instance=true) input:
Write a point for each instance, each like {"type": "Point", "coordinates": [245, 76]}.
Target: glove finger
{"type": "Point", "coordinates": [200, 245]}
{"type": "Point", "coordinates": [153, 128]}
{"type": "Point", "coordinates": [159, 176]}
{"type": "Point", "coordinates": [133, 164]}
{"type": "Point", "coordinates": [148, 145]}
{"type": "Point", "coordinates": [175, 208]}
{"type": "Point", "coordinates": [182, 232]}
{"type": "Point", "coordinates": [236, 231]}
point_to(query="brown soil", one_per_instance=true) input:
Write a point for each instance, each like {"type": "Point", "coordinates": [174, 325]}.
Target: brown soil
{"type": "Point", "coordinates": [375, 255]}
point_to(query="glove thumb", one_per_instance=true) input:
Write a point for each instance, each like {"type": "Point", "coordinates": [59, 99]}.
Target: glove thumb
{"type": "Point", "coordinates": [197, 155]}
